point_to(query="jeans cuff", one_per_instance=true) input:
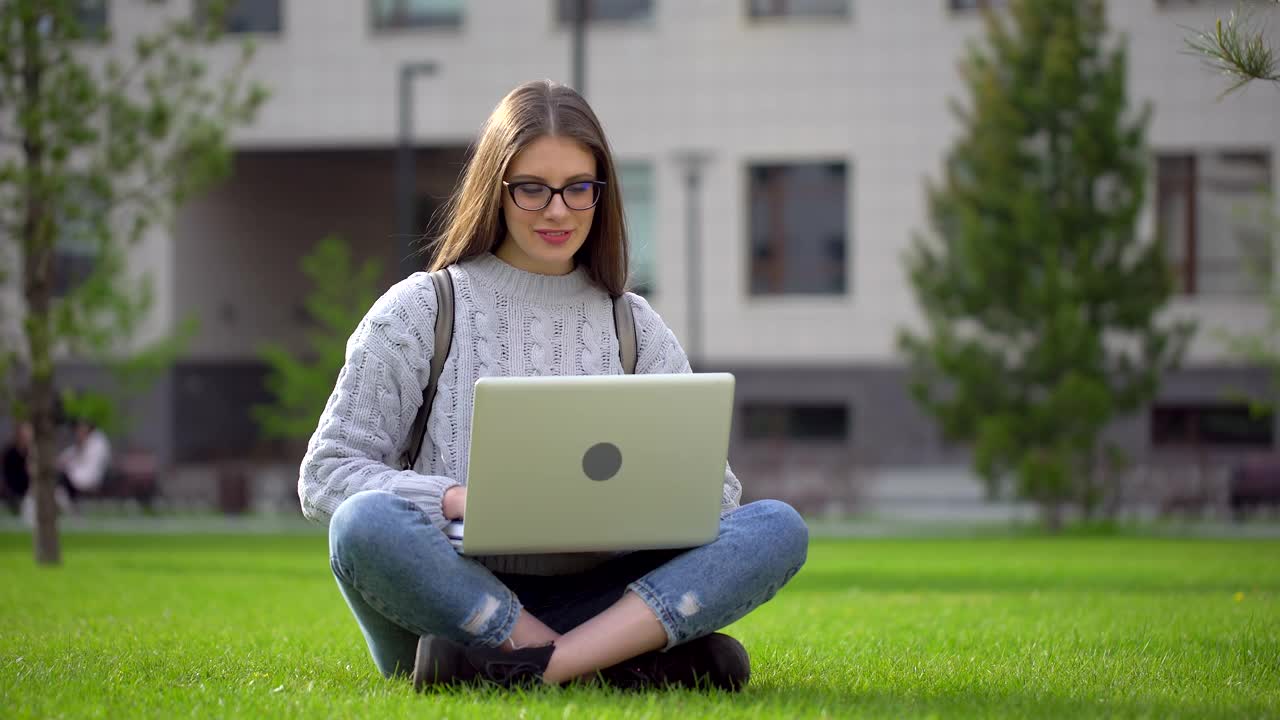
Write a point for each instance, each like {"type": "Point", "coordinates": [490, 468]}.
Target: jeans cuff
{"type": "Point", "coordinates": [659, 608]}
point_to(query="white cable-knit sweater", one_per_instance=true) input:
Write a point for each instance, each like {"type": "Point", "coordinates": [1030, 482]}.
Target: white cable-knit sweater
{"type": "Point", "coordinates": [508, 322]}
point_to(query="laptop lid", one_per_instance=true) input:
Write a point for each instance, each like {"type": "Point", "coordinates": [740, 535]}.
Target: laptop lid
{"type": "Point", "coordinates": [601, 462]}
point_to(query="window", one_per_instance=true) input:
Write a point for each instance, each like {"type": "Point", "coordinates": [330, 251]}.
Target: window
{"type": "Point", "coordinates": [608, 10]}
{"type": "Point", "coordinates": [757, 9]}
{"type": "Point", "coordinates": [414, 14]}
{"type": "Point", "coordinates": [805, 423]}
{"type": "Point", "coordinates": [970, 5]}
{"type": "Point", "coordinates": [1211, 216]}
{"type": "Point", "coordinates": [91, 16]}
{"type": "Point", "coordinates": [636, 180]}
{"type": "Point", "coordinates": [1192, 3]}
{"type": "Point", "coordinates": [247, 16]}
{"type": "Point", "coordinates": [797, 225]}
{"type": "Point", "coordinates": [72, 265]}
{"type": "Point", "coordinates": [75, 250]}
{"type": "Point", "coordinates": [1226, 425]}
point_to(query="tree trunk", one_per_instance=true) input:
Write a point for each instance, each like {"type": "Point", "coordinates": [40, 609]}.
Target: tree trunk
{"type": "Point", "coordinates": [48, 550]}
{"type": "Point", "coordinates": [37, 275]}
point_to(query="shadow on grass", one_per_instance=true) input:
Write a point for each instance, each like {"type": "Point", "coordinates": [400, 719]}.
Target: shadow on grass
{"type": "Point", "coordinates": [170, 542]}
{"type": "Point", "coordinates": [250, 568]}
{"type": "Point", "coordinates": [985, 702]}
{"type": "Point", "coordinates": [798, 700]}
{"type": "Point", "coordinates": [826, 581]}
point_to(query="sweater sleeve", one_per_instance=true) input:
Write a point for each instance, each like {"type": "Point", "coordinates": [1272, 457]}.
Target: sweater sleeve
{"type": "Point", "coordinates": [366, 422]}
{"type": "Point", "coordinates": [660, 352]}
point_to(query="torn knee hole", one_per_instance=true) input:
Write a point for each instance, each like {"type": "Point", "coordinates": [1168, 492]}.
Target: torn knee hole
{"type": "Point", "coordinates": [689, 605]}
{"type": "Point", "coordinates": [483, 614]}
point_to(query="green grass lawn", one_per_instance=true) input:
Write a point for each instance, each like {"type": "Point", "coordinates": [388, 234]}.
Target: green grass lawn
{"type": "Point", "coordinates": [248, 626]}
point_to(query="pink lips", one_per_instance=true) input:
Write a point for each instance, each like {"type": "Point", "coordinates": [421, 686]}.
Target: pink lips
{"type": "Point", "coordinates": [554, 237]}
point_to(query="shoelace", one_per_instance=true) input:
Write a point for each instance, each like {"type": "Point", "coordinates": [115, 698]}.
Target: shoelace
{"type": "Point", "coordinates": [503, 672]}
{"type": "Point", "coordinates": [644, 671]}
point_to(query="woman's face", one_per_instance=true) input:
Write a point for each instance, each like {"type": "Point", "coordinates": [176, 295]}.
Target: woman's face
{"type": "Point", "coordinates": [545, 241]}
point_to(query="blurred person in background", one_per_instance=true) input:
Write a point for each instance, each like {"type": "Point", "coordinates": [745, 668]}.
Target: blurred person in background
{"type": "Point", "coordinates": [82, 466]}
{"type": "Point", "coordinates": [534, 230]}
{"type": "Point", "coordinates": [19, 465]}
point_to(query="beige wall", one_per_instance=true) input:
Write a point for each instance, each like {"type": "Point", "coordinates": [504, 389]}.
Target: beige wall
{"type": "Point", "coordinates": [871, 91]}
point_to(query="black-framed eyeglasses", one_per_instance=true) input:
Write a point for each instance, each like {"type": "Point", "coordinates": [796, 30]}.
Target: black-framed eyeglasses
{"type": "Point", "coordinates": [582, 195]}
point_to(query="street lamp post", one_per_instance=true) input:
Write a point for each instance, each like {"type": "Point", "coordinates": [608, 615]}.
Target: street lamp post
{"type": "Point", "coordinates": [580, 8]}
{"type": "Point", "coordinates": [405, 184]}
{"type": "Point", "coordinates": [692, 161]}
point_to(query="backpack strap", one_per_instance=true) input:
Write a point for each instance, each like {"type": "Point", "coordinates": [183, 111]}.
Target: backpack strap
{"type": "Point", "coordinates": [624, 323]}
{"type": "Point", "coordinates": [623, 320]}
{"type": "Point", "coordinates": [444, 339]}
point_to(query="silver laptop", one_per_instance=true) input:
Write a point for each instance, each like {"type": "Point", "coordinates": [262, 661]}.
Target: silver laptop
{"type": "Point", "coordinates": [609, 462]}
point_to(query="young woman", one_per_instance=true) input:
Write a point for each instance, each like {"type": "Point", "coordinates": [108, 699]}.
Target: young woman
{"type": "Point", "coordinates": [536, 248]}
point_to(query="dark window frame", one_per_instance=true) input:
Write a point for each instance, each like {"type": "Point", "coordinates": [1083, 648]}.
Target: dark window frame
{"type": "Point", "coordinates": [199, 9]}
{"type": "Point", "coordinates": [91, 18]}
{"type": "Point", "coordinates": [645, 286]}
{"type": "Point", "coordinates": [75, 251]}
{"type": "Point", "coordinates": [94, 17]}
{"type": "Point", "coordinates": [564, 16]}
{"type": "Point", "coordinates": [1181, 425]}
{"type": "Point", "coordinates": [975, 7]}
{"type": "Point", "coordinates": [451, 23]}
{"type": "Point", "coordinates": [1186, 4]}
{"type": "Point", "coordinates": [778, 285]}
{"type": "Point", "coordinates": [754, 14]}
{"type": "Point", "coordinates": [1180, 172]}
{"type": "Point", "coordinates": [1177, 173]}
{"type": "Point", "coordinates": [795, 421]}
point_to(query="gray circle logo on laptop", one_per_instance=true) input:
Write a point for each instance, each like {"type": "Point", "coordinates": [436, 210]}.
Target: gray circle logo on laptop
{"type": "Point", "coordinates": [602, 461]}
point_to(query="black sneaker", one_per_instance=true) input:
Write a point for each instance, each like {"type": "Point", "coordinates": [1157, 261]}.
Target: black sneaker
{"type": "Point", "coordinates": [712, 661]}
{"type": "Point", "coordinates": [443, 662]}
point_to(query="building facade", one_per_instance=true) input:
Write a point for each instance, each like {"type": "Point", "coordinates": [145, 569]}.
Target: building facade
{"type": "Point", "coordinates": [773, 154]}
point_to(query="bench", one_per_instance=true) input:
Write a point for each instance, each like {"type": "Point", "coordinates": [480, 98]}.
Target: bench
{"type": "Point", "coordinates": [1254, 483]}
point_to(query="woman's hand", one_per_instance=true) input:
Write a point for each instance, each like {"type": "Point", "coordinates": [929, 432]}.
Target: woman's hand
{"type": "Point", "coordinates": [454, 502]}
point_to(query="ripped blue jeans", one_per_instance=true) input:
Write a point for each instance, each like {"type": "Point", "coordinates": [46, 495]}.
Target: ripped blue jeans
{"type": "Point", "coordinates": [403, 579]}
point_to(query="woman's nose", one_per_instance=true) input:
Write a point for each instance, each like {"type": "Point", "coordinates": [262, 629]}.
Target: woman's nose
{"type": "Point", "coordinates": [556, 208]}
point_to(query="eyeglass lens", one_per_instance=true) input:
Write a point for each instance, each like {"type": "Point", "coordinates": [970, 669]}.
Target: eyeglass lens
{"type": "Point", "coordinates": [536, 196]}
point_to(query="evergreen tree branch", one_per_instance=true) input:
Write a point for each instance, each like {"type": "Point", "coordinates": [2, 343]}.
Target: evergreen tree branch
{"type": "Point", "coordinates": [1238, 49]}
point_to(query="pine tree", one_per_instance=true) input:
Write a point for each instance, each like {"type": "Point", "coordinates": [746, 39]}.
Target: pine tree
{"type": "Point", "coordinates": [1040, 300]}
{"type": "Point", "coordinates": [300, 383]}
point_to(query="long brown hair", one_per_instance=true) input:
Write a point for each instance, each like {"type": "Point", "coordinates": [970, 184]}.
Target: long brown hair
{"type": "Point", "coordinates": [474, 223]}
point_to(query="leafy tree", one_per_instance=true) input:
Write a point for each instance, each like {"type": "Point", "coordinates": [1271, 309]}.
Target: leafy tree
{"type": "Point", "coordinates": [300, 384]}
{"type": "Point", "coordinates": [99, 141]}
{"type": "Point", "coordinates": [1040, 301]}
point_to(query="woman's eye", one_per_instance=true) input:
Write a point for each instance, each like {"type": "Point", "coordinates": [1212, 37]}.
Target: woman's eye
{"type": "Point", "coordinates": [530, 190]}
